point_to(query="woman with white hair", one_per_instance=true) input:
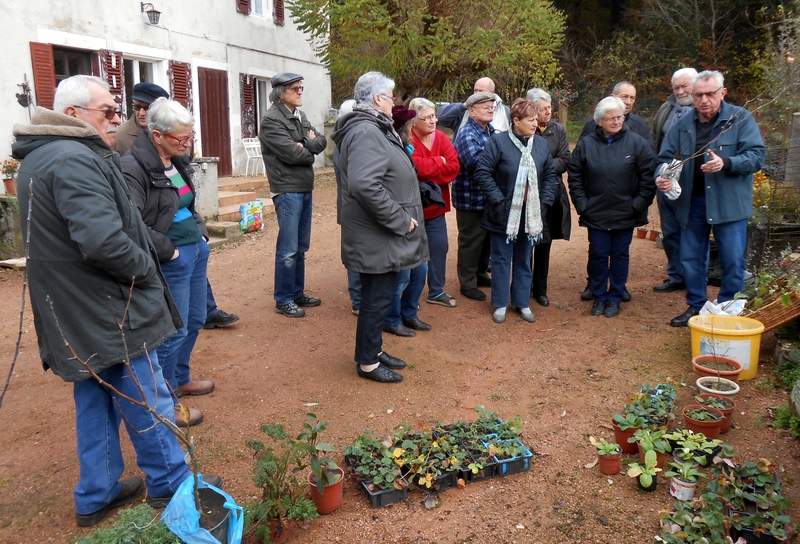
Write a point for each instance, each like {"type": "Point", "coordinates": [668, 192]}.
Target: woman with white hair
{"type": "Point", "coordinates": [436, 161]}
{"type": "Point", "coordinates": [612, 184]}
{"type": "Point", "coordinates": [381, 216]}
{"type": "Point", "coordinates": [158, 173]}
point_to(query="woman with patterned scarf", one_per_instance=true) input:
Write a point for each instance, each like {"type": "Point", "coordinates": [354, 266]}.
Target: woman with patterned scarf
{"type": "Point", "coordinates": [517, 175]}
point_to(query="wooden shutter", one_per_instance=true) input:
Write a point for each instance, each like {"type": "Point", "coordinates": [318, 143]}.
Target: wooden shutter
{"type": "Point", "coordinates": [248, 104]}
{"type": "Point", "coordinates": [278, 12]}
{"type": "Point", "coordinates": [180, 83]}
{"type": "Point", "coordinates": [243, 6]}
{"type": "Point", "coordinates": [44, 74]}
{"type": "Point", "coordinates": [111, 70]}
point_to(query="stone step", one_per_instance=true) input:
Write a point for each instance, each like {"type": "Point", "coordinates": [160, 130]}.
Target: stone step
{"type": "Point", "coordinates": [242, 183]}
{"type": "Point", "coordinates": [229, 198]}
{"type": "Point", "coordinates": [231, 213]}
{"type": "Point", "coordinates": [217, 242]}
{"type": "Point", "coordinates": [224, 229]}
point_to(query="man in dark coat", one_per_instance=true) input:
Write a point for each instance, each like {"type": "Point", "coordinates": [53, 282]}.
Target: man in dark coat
{"type": "Point", "coordinates": [83, 218]}
{"type": "Point", "coordinates": [288, 146]}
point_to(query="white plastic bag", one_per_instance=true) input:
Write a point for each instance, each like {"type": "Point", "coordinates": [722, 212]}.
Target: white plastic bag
{"type": "Point", "coordinates": [672, 171]}
{"type": "Point", "coordinates": [731, 307]}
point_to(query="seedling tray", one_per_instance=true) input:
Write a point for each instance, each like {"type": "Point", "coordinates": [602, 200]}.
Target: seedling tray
{"type": "Point", "coordinates": [384, 497]}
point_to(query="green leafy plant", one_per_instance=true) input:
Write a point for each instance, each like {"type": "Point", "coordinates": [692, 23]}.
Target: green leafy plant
{"type": "Point", "coordinates": [628, 421]}
{"type": "Point", "coordinates": [372, 461]}
{"type": "Point", "coordinates": [605, 448]}
{"type": "Point", "coordinates": [132, 525]}
{"type": "Point", "coordinates": [784, 419]}
{"type": "Point", "coordinates": [692, 447]}
{"type": "Point", "coordinates": [651, 439]}
{"type": "Point", "coordinates": [703, 414]}
{"type": "Point", "coordinates": [684, 471]}
{"type": "Point", "coordinates": [647, 472]}
{"type": "Point", "coordinates": [324, 468]}
{"type": "Point", "coordinates": [715, 402]}
{"type": "Point", "coordinates": [699, 521]}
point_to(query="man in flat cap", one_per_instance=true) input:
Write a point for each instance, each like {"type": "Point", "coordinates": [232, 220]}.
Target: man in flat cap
{"type": "Point", "coordinates": [144, 94]}
{"type": "Point", "coordinates": [288, 146]}
{"type": "Point", "coordinates": [454, 116]}
{"type": "Point", "coordinates": [468, 199]}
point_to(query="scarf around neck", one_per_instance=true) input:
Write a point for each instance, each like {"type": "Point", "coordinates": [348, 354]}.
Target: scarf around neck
{"type": "Point", "coordinates": [527, 180]}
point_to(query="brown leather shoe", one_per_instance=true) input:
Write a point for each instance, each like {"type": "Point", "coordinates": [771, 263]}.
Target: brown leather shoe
{"type": "Point", "coordinates": [195, 387]}
{"type": "Point", "coordinates": [195, 417]}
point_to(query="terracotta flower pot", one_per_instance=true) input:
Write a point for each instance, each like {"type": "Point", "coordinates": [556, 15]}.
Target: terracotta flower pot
{"type": "Point", "coordinates": [10, 189]}
{"type": "Point", "coordinates": [641, 233]}
{"type": "Point", "coordinates": [610, 464]}
{"type": "Point", "coordinates": [330, 499]}
{"type": "Point", "coordinates": [701, 370]}
{"type": "Point", "coordinates": [727, 412]}
{"type": "Point", "coordinates": [653, 235]}
{"type": "Point", "coordinates": [660, 457]}
{"type": "Point", "coordinates": [621, 437]}
{"type": "Point", "coordinates": [708, 428]}
{"type": "Point", "coordinates": [279, 535]}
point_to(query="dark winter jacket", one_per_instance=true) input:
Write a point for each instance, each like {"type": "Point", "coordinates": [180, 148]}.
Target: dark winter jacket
{"type": "Point", "coordinates": [666, 116]}
{"type": "Point", "coordinates": [379, 197]}
{"type": "Point", "coordinates": [290, 167]}
{"type": "Point", "coordinates": [90, 254]}
{"type": "Point", "coordinates": [497, 175]}
{"type": "Point", "coordinates": [612, 184]}
{"type": "Point", "coordinates": [633, 123]}
{"type": "Point", "coordinates": [559, 217]}
{"type": "Point", "coordinates": [154, 194]}
{"type": "Point", "coordinates": [126, 134]}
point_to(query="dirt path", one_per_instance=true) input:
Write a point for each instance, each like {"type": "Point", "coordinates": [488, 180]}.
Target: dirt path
{"type": "Point", "coordinates": [565, 375]}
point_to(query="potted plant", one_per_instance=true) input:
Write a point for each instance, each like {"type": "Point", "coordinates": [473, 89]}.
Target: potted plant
{"type": "Point", "coordinates": [652, 439]}
{"type": "Point", "coordinates": [283, 490]}
{"type": "Point", "coordinates": [717, 385]}
{"type": "Point", "coordinates": [702, 520]}
{"type": "Point", "coordinates": [723, 404]}
{"type": "Point", "coordinates": [624, 428]}
{"type": "Point", "coordinates": [717, 366]}
{"type": "Point", "coordinates": [609, 454]}
{"type": "Point", "coordinates": [703, 419]}
{"type": "Point", "coordinates": [693, 448]}
{"type": "Point", "coordinates": [374, 466]}
{"type": "Point", "coordinates": [683, 480]}
{"type": "Point", "coordinates": [647, 473]}
{"type": "Point", "coordinates": [325, 478]}
{"type": "Point", "coordinates": [9, 170]}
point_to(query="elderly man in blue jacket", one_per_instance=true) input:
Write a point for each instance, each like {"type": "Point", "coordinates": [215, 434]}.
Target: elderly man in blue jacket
{"type": "Point", "coordinates": [721, 148]}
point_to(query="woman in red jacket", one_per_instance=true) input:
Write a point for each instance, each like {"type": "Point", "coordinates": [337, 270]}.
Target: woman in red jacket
{"type": "Point", "coordinates": [437, 161]}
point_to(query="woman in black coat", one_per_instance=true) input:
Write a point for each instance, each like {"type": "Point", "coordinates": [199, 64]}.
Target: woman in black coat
{"type": "Point", "coordinates": [611, 182]}
{"type": "Point", "coordinates": [517, 175]}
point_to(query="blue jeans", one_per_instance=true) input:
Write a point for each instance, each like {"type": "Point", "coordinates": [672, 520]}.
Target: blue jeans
{"type": "Point", "coordinates": [376, 297]}
{"type": "Point", "coordinates": [436, 229]}
{"type": "Point", "coordinates": [609, 260]}
{"type": "Point", "coordinates": [408, 289]}
{"type": "Point", "coordinates": [294, 238]}
{"type": "Point", "coordinates": [187, 282]}
{"type": "Point", "coordinates": [511, 262]}
{"type": "Point", "coordinates": [97, 419]}
{"type": "Point", "coordinates": [671, 231]}
{"type": "Point", "coordinates": [211, 304]}
{"type": "Point", "coordinates": [731, 239]}
{"type": "Point", "coordinates": [354, 287]}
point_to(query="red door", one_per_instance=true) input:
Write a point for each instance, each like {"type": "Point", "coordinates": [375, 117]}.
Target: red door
{"type": "Point", "coordinates": [215, 117]}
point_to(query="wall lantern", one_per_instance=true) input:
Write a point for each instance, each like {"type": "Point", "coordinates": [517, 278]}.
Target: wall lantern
{"type": "Point", "coordinates": [153, 15]}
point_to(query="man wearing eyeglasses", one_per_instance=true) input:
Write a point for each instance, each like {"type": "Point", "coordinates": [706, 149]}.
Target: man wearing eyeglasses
{"type": "Point", "coordinates": [454, 116]}
{"type": "Point", "coordinates": [288, 146]}
{"type": "Point", "coordinates": [144, 94]}
{"type": "Point", "coordinates": [721, 147]}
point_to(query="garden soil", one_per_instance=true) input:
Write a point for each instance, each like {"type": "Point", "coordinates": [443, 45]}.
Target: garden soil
{"type": "Point", "coordinates": [564, 375]}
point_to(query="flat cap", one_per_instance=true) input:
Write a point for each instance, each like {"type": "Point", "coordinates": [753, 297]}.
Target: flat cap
{"type": "Point", "coordinates": [284, 78]}
{"type": "Point", "coordinates": [477, 98]}
{"type": "Point", "coordinates": [148, 92]}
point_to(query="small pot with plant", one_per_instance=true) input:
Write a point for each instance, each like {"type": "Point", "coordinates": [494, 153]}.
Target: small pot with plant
{"type": "Point", "coordinates": [652, 439]}
{"type": "Point", "coordinates": [703, 419]}
{"type": "Point", "coordinates": [717, 385]}
{"type": "Point", "coordinates": [683, 480]}
{"type": "Point", "coordinates": [723, 404]}
{"type": "Point", "coordinates": [693, 448]}
{"type": "Point", "coordinates": [624, 427]}
{"type": "Point", "coordinates": [10, 169]}
{"type": "Point", "coordinates": [717, 366]}
{"type": "Point", "coordinates": [325, 478]}
{"type": "Point", "coordinates": [609, 455]}
{"type": "Point", "coordinates": [646, 473]}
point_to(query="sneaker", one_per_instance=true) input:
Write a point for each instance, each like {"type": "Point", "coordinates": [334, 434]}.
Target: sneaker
{"type": "Point", "coordinates": [221, 319]}
{"type": "Point", "coordinates": [162, 502]}
{"type": "Point", "coordinates": [306, 301]}
{"type": "Point", "coordinates": [131, 488]}
{"type": "Point", "coordinates": [290, 309]}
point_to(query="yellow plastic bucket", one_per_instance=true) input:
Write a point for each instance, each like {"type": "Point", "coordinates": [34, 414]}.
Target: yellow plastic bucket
{"type": "Point", "coordinates": [728, 336]}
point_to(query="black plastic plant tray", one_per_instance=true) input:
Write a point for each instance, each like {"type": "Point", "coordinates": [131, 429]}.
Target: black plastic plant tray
{"type": "Point", "coordinates": [384, 497]}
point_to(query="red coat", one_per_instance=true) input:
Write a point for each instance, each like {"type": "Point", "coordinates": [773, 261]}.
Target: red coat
{"type": "Point", "coordinates": [430, 168]}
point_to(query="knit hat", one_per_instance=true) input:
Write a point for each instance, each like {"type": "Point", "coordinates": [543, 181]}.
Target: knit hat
{"type": "Point", "coordinates": [148, 92]}
{"type": "Point", "coordinates": [478, 98]}
{"type": "Point", "coordinates": [402, 115]}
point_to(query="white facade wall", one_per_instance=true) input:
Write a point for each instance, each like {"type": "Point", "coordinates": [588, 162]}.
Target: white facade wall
{"type": "Point", "coordinates": [204, 33]}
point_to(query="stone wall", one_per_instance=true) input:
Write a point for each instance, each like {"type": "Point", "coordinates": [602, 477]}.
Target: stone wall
{"type": "Point", "coordinates": [10, 233]}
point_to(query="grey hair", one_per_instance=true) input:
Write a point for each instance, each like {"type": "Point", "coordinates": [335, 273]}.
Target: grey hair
{"type": "Point", "coordinates": [419, 104]}
{"type": "Point", "coordinates": [619, 85]}
{"type": "Point", "coordinates": [684, 72]}
{"type": "Point", "coordinates": [370, 84]}
{"type": "Point", "coordinates": [609, 103]}
{"type": "Point", "coordinates": [347, 106]}
{"type": "Point", "coordinates": [164, 115]}
{"type": "Point", "coordinates": [74, 91]}
{"type": "Point", "coordinates": [536, 94]}
{"type": "Point", "coordinates": [276, 94]}
{"type": "Point", "coordinates": [709, 74]}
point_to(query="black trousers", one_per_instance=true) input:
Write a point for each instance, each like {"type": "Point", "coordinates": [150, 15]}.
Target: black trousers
{"type": "Point", "coordinates": [377, 292]}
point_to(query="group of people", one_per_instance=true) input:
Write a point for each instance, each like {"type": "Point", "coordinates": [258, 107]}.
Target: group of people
{"type": "Point", "coordinates": [129, 229]}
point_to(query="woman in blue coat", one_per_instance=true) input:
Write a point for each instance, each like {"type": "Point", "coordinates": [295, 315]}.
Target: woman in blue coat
{"type": "Point", "coordinates": [517, 175]}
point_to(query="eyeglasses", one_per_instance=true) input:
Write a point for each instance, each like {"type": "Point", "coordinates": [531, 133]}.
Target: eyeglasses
{"type": "Point", "coordinates": [108, 113]}
{"type": "Point", "coordinates": [709, 95]}
{"type": "Point", "coordinates": [298, 89]}
{"type": "Point", "coordinates": [484, 108]}
{"type": "Point", "coordinates": [431, 117]}
{"type": "Point", "coordinates": [392, 98]}
{"type": "Point", "coordinates": [137, 107]}
{"type": "Point", "coordinates": [616, 119]}
{"type": "Point", "coordinates": [185, 141]}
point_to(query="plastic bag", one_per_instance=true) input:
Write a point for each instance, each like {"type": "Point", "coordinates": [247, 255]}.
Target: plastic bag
{"type": "Point", "coordinates": [672, 171]}
{"type": "Point", "coordinates": [182, 518]}
{"type": "Point", "coordinates": [252, 216]}
{"type": "Point", "coordinates": [731, 307]}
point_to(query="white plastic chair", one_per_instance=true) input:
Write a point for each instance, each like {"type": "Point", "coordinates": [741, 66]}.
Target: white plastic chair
{"type": "Point", "coordinates": [252, 146]}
